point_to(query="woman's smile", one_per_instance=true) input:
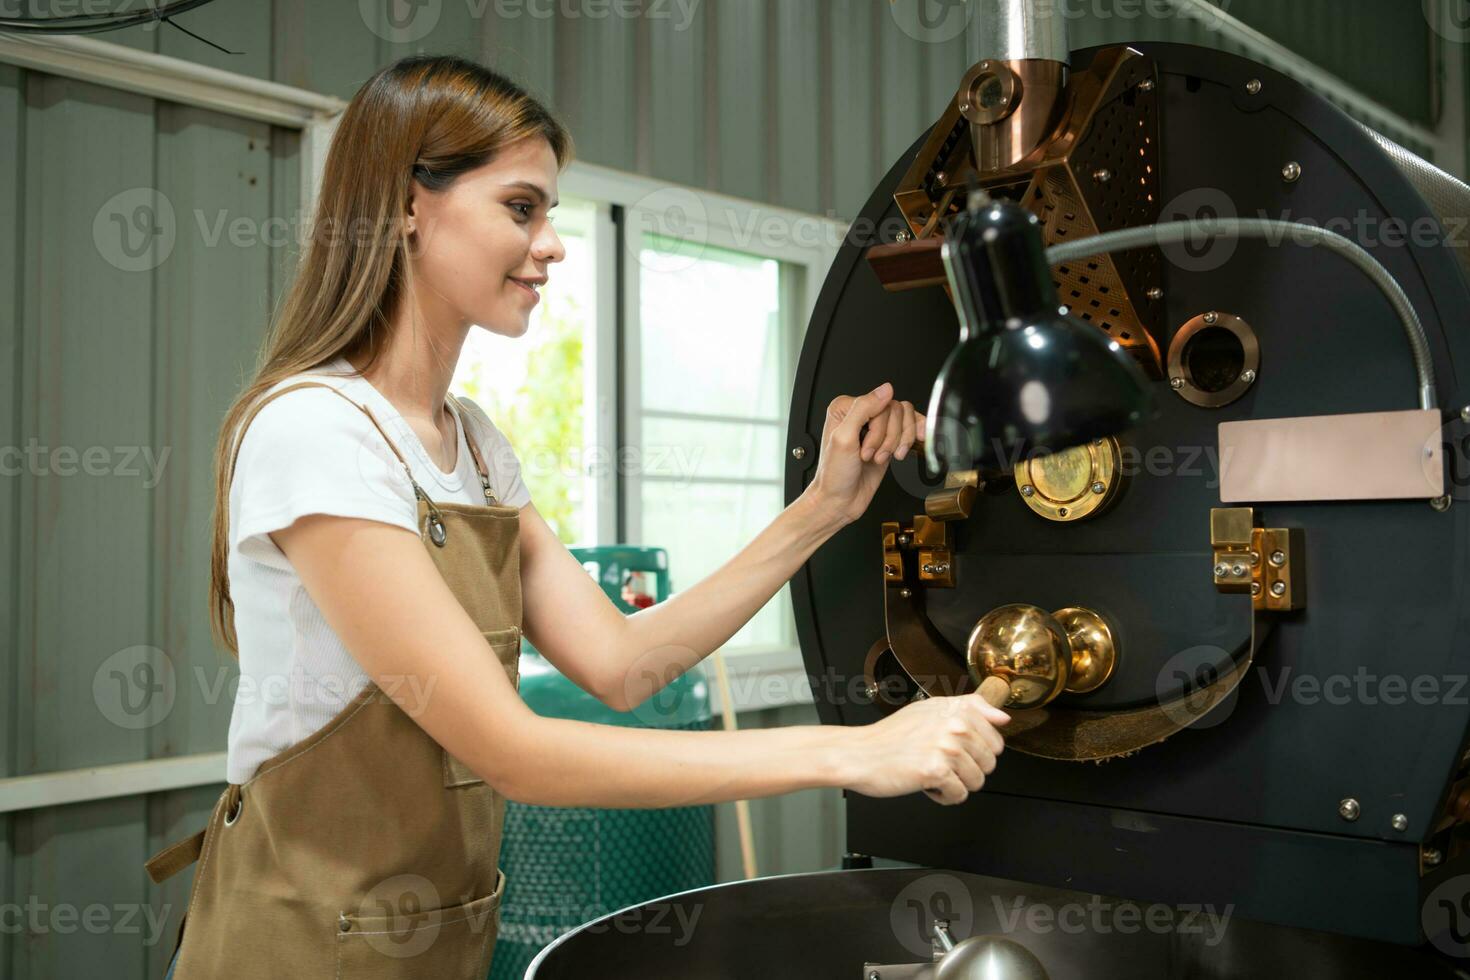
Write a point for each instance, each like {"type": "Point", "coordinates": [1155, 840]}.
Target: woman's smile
{"type": "Point", "coordinates": [530, 286]}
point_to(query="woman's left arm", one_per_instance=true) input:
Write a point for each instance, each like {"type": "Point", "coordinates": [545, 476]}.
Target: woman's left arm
{"type": "Point", "coordinates": [625, 659]}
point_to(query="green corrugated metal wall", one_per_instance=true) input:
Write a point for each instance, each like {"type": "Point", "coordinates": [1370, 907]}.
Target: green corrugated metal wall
{"type": "Point", "coordinates": [775, 100]}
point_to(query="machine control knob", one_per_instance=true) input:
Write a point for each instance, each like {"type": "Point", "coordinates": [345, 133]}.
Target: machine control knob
{"type": "Point", "coordinates": [989, 958]}
{"type": "Point", "coordinates": [1023, 657]}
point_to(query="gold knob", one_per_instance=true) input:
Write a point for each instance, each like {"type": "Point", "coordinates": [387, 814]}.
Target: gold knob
{"type": "Point", "coordinates": [1037, 655]}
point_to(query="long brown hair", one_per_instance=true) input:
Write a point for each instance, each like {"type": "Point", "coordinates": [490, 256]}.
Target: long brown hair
{"type": "Point", "coordinates": [427, 119]}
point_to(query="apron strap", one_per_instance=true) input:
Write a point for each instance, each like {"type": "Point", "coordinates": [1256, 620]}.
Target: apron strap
{"type": "Point", "coordinates": [474, 451]}
{"type": "Point", "coordinates": [175, 858]}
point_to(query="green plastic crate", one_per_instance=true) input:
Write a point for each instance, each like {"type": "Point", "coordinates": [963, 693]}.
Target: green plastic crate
{"type": "Point", "coordinates": [566, 866]}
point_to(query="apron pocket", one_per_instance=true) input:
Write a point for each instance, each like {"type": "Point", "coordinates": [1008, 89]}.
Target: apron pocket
{"type": "Point", "coordinates": [452, 943]}
{"type": "Point", "coordinates": [506, 644]}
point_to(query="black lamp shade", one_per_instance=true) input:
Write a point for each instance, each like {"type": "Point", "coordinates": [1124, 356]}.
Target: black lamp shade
{"type": "Point", "coordinates": [1024, 380]}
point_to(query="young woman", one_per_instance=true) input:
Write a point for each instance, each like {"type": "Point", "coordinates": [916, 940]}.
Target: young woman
{"type": "Point", "coordinates": [377, 560]}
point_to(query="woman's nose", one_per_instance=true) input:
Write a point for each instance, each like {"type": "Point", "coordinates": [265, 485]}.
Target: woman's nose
{"type": "Point", "coordinates": [548, 245]}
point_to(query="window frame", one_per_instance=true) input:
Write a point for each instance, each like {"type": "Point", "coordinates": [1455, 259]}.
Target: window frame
{"type": "Point", "coordinates": [760, 676]}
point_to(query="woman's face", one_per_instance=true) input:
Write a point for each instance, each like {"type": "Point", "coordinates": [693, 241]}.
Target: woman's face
{"type": "Point", "coordinates": [483, 245]}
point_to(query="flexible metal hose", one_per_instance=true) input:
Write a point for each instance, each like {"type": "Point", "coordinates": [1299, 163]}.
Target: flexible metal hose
{"type": "Point", "coordinates": [1178, 232]}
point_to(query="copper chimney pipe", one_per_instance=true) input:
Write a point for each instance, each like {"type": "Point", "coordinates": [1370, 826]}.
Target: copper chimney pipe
{"type": "Point", "coordinates": [1012, 96]}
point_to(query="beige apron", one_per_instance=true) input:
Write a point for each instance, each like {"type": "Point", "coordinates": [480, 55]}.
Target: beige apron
{"type": "Point", "coordinates": [366, 850]}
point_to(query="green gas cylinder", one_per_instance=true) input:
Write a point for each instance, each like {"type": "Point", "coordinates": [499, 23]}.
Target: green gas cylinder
{"type": "Point", "coordinates": [566, 866]}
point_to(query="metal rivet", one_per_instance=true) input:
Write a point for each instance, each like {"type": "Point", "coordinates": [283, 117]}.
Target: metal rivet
{"type": "Point", "coordinates": [1255, 558]}
{"type": "Point", "coordinates": [342, 922]}
{"type": "Point", "coordinates": [1278, 589]}
{"type": "Point", "coordinates": [941, 177]}
{"type": "Point", "coordinates": [1212, 317]}
{"type": "Point", "coordinates": [871, 690]}
{"type": "Point", "coordinates": [1103, 175]}
{"type": "Point", "coordinates": [1147, 85]}
{"type": "Point", "coordinates": [1348, 809]}
{"type": "Point", "coordinates": [1400, 822]}
{"type": "Point", "coordinates": [1247, 376]}
{"type": "Point", "coordinates": [1292, 172]}
{"type": "Point", "coordinates": [901, 237]}
{"type": "Point", "coordinates": [903, 539]}
{"type": "Point", "coordinates": [798, 452]}
{"type": "Point", "coordinates": [1176, 383]}
{"type": "Point", "coordinates": [1441, 504]}
{"type": "Point", "coordinates": [1253, 86]}
{"type": "Point", "coordinates": [1061, 512]}
{"type": "Point", "coordinates": [1278, 558]}
{"type": "Point", "coordinates": [1156, 294]}
{"type": "Point", "coordinates": [1255, 588]}
{"type": "Point", "coordinates": [964, 107]}
{"type": "Point", "coordinates": [1028, 491]}
{"type": "Point", "coordinates": [1099, 488]}
{"type": "Point", "coordinates": [905, 593]}
{"type": "Point", "coordinates": [1432, 856]}
{"type": "Point", "coordinates": [1465, 414]}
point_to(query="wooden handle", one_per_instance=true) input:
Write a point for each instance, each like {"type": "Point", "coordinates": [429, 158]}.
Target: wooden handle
{"type": "Point", "coordinates": [995, 691]}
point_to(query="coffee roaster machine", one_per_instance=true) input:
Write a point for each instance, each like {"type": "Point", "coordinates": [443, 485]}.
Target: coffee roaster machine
{"type": "Point", "coordinates": [1234, 638]}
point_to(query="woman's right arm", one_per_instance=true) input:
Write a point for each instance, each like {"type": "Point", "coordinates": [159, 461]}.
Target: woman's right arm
{"type": "Point", "coordinates": [379, 590]}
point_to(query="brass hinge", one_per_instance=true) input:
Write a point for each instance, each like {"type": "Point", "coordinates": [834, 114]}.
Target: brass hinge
{"type": "Point", "coordinates": [1268, 563]}
{"type": "Point", "coordinates": [927, 536]}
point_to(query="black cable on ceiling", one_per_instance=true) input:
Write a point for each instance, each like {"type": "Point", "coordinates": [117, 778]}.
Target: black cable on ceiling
{"type": "Point", "coordinates": [98, 23]}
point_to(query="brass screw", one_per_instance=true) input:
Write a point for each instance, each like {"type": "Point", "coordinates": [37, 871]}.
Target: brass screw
{"type": "Point", "coordinates": [1278, 589]}
{"type": "Point", "coordinates": [1221, 570]}
{"type": "Point", "coordinates": [1212, 318]}
{"type": "Point", "coordinates": [1278, 558]}
{"type": "Point", "coordinates": [1099, 488]}
{"type": "Point", "coordinates": [1248, 376]}
{"type": "Point", "coordinates": [1238, 570]}
{"type": "Point", "coordinates": [1176, 383]}
{"type": "Point", "coordinates": [1255, 588]}
{"type": "Point", "coordinates": [1028, 491]}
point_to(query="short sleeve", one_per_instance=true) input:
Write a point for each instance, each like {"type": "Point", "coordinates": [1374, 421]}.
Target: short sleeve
{"type": "Point", "coordinates": [313, 452]}
{"type": "Point", "coordinates": [500, 458]}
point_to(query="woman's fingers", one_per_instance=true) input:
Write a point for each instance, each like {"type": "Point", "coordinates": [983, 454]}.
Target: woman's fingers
{"type": "Point", "coordinates": [910, 435]}
{"type": "Point", "coordinates": [892, 436]}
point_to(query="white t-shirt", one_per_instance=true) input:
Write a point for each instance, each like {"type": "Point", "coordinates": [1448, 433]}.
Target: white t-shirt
{"type": "Point", "coordinates": [310, 452]}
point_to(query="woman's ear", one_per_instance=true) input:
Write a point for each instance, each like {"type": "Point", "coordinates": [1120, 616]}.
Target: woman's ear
{"type": "Point", "coordinates": [410, 212]}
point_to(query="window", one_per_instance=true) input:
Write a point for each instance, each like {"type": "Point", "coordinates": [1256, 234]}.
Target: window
{"type": "Point", "coordinates": [709, 415]}
{"type": "Point", "coordinates": [648, 402]}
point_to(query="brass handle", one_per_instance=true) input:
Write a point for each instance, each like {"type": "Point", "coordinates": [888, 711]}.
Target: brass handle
{"type": "Point", "coordinates": [1037, 655]}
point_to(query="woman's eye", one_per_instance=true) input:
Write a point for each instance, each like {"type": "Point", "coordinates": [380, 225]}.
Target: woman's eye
{"type": "Point", "coordinates": [518, 205]}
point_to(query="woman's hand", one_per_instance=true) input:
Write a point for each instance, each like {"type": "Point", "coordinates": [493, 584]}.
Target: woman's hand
{"type": "Point", "coordinates": [850, 465]}
{"type": "Point", "coordinates": [945, 746]}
